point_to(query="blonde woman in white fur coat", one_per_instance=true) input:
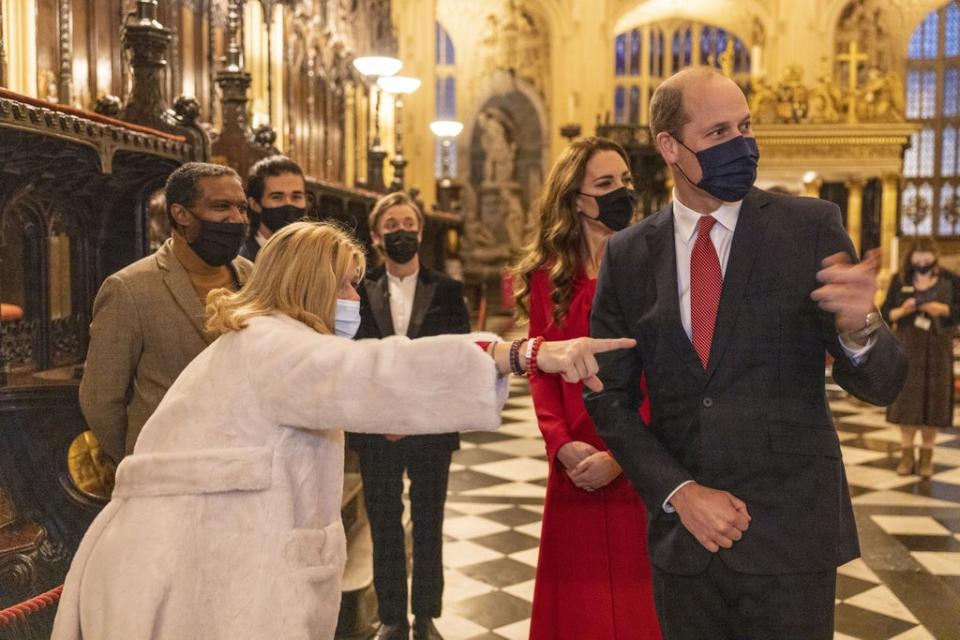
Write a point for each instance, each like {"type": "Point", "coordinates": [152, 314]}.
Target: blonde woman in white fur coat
{"type": "Point", "coordinates": [225, 520]}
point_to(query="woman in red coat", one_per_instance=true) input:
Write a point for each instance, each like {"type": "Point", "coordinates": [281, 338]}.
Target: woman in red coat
{"type": "Point", "coordinates": [593, 575]}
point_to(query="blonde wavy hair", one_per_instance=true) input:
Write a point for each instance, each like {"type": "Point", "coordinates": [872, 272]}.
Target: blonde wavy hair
{"type": "Point", "coordinates": [557, 242]}
{"type": "Point", "coordinates": [298, 272]}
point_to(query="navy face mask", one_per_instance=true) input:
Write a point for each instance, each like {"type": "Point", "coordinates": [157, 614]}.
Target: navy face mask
{"type": "Point", "coordinates": [615, 208]}
{"type": "Point", "coordinates": [729, 169]}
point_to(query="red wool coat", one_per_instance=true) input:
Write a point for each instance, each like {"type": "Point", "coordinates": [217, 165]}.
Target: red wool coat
{"type": "Point", "coordinates": [593, 576]}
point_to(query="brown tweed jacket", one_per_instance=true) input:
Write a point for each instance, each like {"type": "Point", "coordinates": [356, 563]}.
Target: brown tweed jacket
{"type": "Point", "coordinates": [147, 326]}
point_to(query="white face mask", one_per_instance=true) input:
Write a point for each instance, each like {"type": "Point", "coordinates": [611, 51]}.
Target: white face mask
{"type": "Point", "coordinates": [347, 320]}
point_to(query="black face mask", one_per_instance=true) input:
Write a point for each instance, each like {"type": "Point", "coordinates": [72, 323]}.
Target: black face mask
{"type": "Point", "coordinates": [729, 169]}
{"type": "Point", "coordinates": [401, 245]}
{"type": "Point", "coordinates": [616, 208]}
{"type": "Point", "coordinates": [923, 269]}
{"type": "Point", "coordinates": [276, 218]}
{"type": "Point", "coordinates": [218, 242]}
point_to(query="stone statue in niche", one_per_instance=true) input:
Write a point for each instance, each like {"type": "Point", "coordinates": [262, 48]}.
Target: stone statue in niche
{"type": "Point", "coordinates": [881, 97]}
{"type": "Point", "coordinates": [515, 217]}
{"type": "Point", "coordinates": [499, 152]}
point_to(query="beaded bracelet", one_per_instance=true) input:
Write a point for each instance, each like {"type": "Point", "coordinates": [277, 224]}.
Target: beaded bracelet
{"type": "Point", "coordinates": [533, 370]}
{"type": "Point", "coordinates": [529, 355]}
{"type": "Point", "coordinates": [515, 356]}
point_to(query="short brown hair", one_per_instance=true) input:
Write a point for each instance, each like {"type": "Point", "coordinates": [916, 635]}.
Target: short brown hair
{"type": "Point", "coordinates": [392, 200]}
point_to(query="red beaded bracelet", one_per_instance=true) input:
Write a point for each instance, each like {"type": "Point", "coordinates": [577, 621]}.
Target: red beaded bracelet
{"type": "Point", "coordinates": [533, 370]}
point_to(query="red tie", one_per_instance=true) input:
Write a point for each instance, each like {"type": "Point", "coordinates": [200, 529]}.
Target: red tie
{"type": "Point", "coordinates": [706, 283]}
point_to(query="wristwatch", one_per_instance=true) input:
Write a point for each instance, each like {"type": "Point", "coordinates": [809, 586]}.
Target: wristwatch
{"type": "Point", "coordinates": [871, 324]}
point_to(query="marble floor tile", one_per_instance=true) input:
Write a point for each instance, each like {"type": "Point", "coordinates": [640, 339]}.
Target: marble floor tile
{"type": "Point", "coordinates": [881, 600]}
{"type": "Point", "coordinates": [463, 553]}
{"type": "Point", "coordinates": [911, 525]}
{"type": "Point", "coordinates": [876, 478]}
{"type": "Point", "coordinates": [518, 469]}
{"type": "Point", "coordinates": [468, 527]}
{"type": "Point", "coordinates": [509, 490]}
{"type": "Point", "coordinates": [516, 631]}
{"type": "Point", "coordinates": [939, 563]}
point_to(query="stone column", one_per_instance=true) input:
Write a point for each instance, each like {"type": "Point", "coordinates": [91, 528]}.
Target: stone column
{"type": "Point", "coordinates": [888, 223]}
{"type": "Point", "coordinates": [855, 210]}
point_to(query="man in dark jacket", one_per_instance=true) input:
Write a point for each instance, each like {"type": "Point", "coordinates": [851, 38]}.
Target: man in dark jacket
{"type": "Point", "coordinates": [403, 298]}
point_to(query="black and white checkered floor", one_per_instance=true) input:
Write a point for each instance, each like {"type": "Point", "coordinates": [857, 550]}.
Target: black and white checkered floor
{"type": "Point", "coordinates": [905, 587]}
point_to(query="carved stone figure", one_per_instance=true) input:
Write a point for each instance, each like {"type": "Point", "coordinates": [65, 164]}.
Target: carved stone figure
{"type": "Point", "coordinates": [499, 152]}
{"type": "Point", "coordinates": [515, 217]}
{"type": "Point", "coordinates": [880, 99]}
{"type": "Point", "coordinates": [825, 101]}
{"type": "Point", "coordinates": [763, 102]}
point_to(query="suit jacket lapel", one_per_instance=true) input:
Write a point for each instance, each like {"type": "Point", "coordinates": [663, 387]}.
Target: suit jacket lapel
{"type": "Point", "coordinates": [378, 295]}
{"type": "Point", "coordinates": [746, 240]}
{"type": "Point", "coordinates": [663, 249]}
{"type": "Point", "coordinates": [178, 282]}
{"type": "Point", "coordinates": [421, 302]}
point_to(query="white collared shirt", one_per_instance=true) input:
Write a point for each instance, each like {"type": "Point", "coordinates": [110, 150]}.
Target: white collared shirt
{"type": "Point", "coordinates": [260, 239]}
{"type": "Point", "coordinates": [402, 291]}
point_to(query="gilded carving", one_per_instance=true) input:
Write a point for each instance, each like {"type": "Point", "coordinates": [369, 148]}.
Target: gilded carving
{"type": "Point", "coordinates": [8, 512]}
{"type": "Point", "coordinates": [90, 470]}
{"type": "Point", "coordinates": [880, 99]}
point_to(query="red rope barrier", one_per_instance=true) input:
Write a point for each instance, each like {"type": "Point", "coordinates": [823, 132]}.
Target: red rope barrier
{"type": "Point", "coordinates": [29, 607]}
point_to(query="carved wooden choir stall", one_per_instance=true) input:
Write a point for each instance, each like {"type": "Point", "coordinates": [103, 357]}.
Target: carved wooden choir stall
{"type": "Point", "coordinates": [81, 177]}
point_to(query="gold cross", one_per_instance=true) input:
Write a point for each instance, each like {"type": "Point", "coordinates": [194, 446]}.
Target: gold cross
{"type": "Point", "coordinates": [853, 57]}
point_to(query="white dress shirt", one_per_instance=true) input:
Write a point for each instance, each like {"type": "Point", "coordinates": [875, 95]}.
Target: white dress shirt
{"type": "Point", "coordinates": [685, 222]}
{"type": "Point", "coordinates": [401, 292]}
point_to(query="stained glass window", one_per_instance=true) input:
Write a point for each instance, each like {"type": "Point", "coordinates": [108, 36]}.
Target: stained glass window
{"type": "Point", "coordinates": [948, 154]}
{"type": "Point", "coordinates": [951, 92]}
{"type": "Point", "coordinates": [933, 61]}
{"type": "Point", "coordinates": [951, 31]}
{"type": "Point", "coordinates": [665, 44]}
{"type": "Point", "coordinates": [927, 151]}
{"type": "Point", "coordinates": [445, 104]}
{"type": "Point", "coordinates": [911, 157]}
{"type": "Point", "coordinates": [656, 53]}
{"type": "Point", "coordinates": [635, 52]}
{"type": "Point", "coordinates": [620, 45]}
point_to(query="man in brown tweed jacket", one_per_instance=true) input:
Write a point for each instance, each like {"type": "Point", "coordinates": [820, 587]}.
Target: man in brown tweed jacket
{"type": "Point", "coordinates": [148, 317]}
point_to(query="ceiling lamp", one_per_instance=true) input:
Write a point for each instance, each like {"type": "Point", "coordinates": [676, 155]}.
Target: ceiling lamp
{"type": "Point", "coordinates": [377, 66]}
{"type": "Point", "coordinates": [446, 128]}
{"type": "Point", "coordinates": [399, 84]}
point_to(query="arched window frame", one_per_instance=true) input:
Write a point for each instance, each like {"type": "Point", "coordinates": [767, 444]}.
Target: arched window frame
{"type": "Point", "coordinates": [646, 55]}
{"type": "Point", "coordinates": [446, 93]}
{"type": "Point", "coordinates": [931, 170]}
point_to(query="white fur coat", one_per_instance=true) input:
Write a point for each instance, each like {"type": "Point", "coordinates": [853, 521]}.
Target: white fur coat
{"type": "Point", "coordinates": [225, 520]}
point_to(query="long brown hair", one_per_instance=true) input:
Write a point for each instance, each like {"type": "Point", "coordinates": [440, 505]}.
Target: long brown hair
{"type": "Point", "coordinates": [557, 242]}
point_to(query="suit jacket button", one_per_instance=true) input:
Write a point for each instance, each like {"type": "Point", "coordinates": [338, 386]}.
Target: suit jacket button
{"type": "Point", "coordinates": [708, 402]}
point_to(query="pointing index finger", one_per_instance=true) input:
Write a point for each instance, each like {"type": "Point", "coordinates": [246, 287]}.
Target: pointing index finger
{"type": "Point", "coordinates": [601, 345]}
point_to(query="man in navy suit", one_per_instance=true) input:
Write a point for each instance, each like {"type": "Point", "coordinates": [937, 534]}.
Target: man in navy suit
{"type": "Point", "coordinates": [734, 296]}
